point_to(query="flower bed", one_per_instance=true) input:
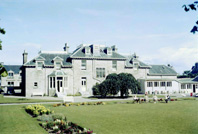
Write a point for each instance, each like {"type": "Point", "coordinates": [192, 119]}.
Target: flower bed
{"type": "Point", "coordinates": [64, 127]}
{"type": "Point", "coordinates": [83, 103]}
{"type": "Point", "coordinates": [55, 123]}
{"type": "Point", "coordinates": [173, 99]}
{"type": "Point", "coordinates": [36, 110]}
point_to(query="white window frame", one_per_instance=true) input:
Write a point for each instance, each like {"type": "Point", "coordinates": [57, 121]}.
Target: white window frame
{"type": "Point", "coordinates": [155, 84]}
{"type": "Point", "coordinates": [149, 84]}
{"type": "Point", "coordinates": [38, 66]}
{"type": "Point", "coordinates": [58, 67]}
{"type": "Point", "coordinates": [52, 82]}
{"type": "Point", "coordinates": [35, 84]}
{"type": "Point", "coordinates": [109, 51]}
{"type": "Point", "coordinates": [169, 84]}
{"type": "Point", "coordinates": [183, 86]}
{"type": "Point", "coordinates": [135, 65]}
{"type": "Point", "coordinates": [10, 75]}
{"type": "Point", "coordinates": [100, 73]}
{"type": "Point", "coordinates": [83, 64]}
{"type": "Point", "coordinates": [10, 83]}
{"type": "Point", "coordinates": [87, 51]}
{"type": "Point", "coordinates": [189, 86]}
{"type": "Point", "coordinates": [162, 83]}
{"type": "Point", "coordinates": [114, 65]}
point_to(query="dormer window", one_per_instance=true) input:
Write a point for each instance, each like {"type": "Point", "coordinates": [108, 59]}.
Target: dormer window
{"type": "Point", "coordinates": [58, 65]}
{"type": "Point", "coordinates": [109, 51]}
{"type": "Point", "coordinates": [87, 51]}
{"type": "Point", "coordinates": [135, 65]}
{"type": "Point", "coordinates": [58, 62]}
{"type": "Point", "coordinates": [10, 75]}
{"type": "Point", "coordinates": [39, 62]}
{"type": "Point", "coordinates": [39, 65]}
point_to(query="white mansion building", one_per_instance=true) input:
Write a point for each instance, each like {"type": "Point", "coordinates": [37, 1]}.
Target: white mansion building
{"type": "Point", "coordinates": [64, 73]}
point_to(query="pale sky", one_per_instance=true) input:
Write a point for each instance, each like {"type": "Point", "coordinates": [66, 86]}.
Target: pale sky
{"type": "Point", "coordinates": [158, 31]}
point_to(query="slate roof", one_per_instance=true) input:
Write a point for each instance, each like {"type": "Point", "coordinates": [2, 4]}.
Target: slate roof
{"type": "Point", "coordinates": [130, 64]}
{"type": "Point", "coordinates": [80, 53]}
{"type": "Point", "coordinates": [48, 59]}
{"type": "Point", "coordinates": [161, 70]}
{"type": "Point", "coordinates": [187, 80]}
{"type": "Point", "coordinates": [14, 68]}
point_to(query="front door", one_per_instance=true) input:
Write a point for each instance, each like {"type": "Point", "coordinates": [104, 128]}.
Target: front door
{"type": "Point", "coordinates": [84, 83]}
{"type": "Point", "coordinates": [59, 84]}
{"type": "Point", "coordinates": [194, 88]}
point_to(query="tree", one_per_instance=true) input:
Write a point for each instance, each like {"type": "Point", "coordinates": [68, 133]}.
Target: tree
{"type": "Point", "coordinates": [2, 31]}
{"type": "Point", "coordinates": [3, 72]}
{"type": "Point", "coordinates": [113, 83]}
{"type": "Point", "coordinates": [127, 81]}
{"type": "Point", "coordinates": [103, 88]}
{"type": "Point", "coordinates": [95, 89]}
{"type": "Point", "coordinates": [194, 7]}
{"type": "Point", "coordinates": [117, 82]}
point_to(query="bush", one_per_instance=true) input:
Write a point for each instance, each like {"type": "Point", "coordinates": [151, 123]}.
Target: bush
{"type": "Point", "coordinates": [117, 82]}
{"type": "Point", "coordinates": [58, 116]}
{"type": "Point", "coordinates": [95, 89]}
{"type": "Point", "coordinates": [50, 124]}
{"type": "Point", "coordinates": [45, 118]}
{"type": "Point", "coordinates": [36, 110]}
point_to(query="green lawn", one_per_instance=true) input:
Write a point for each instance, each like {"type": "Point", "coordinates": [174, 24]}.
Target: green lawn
{"type": "Point", "coordinates": [14, 120]}
{"type": "Point", "coordinates": [23, 100]}
{"type": "Point", "coordinates": [179, 117]}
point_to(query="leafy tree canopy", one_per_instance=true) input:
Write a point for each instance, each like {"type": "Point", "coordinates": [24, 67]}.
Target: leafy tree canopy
{"type": "Point", "coordinates": [2, 31]}
{"type": "Point", "coordinates": [194, 7]}
{"type": "Point", "coordinates": [115, 83]}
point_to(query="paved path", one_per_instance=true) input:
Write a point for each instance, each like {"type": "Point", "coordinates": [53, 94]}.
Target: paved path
{"type": "Point", "coordinates": [76, 99]}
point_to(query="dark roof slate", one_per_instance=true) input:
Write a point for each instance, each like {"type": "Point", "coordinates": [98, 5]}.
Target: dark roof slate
{"type": "Point", "coordinates": [14, 68]}
{"type": "Point", "coordinates": [80, 53]}
{"type": "Point", "coordinates": [49, 59]}
{"type": "Point", "coordinates": [161, 70]}
{"type": "Point", "coordinates": [130, 64]}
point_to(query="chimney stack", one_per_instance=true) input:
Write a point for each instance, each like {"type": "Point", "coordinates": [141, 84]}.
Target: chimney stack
{"type": "Point", "coordinates": [66, 48]}
{"type": "Point", "coordinates": [114, 48]}
{"type": "Point", "coordinates": [25, 57]}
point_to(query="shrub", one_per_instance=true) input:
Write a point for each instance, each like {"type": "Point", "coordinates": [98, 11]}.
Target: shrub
{"type": "Point", "coordinates": [45, 118]}
{"type": "Point", "coordinates": [50, 124]}
{"type": "Point", "coordinates": [36, 110]}
{"type": "Point", "coordinates": [55, 129]}
{"type": "Point", "coordinates": [95, 89]}
{"type": "Point", "coordinates": [58, 116]}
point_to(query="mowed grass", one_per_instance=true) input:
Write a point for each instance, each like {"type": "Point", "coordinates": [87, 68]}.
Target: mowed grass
{"type": "Point", "coordinates": [14, 120]}
{"type": "Point", "coordinates": [4, 100]}
{"type": "Point", "coordinates": [178, 117]}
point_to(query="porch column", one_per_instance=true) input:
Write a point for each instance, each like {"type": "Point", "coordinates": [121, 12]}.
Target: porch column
{"type": "Point", "coordinates": [56, 83]}
{"type": "Point", "coordinates": [48, 86]}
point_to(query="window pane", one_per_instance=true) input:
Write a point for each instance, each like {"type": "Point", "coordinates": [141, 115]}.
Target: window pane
{"type": "Point", "coordinates": [58, 65]}
{"type": "Point", "coordinates": [100, 72]}
{"type": "Point", "coordinates": [50, 82]}
{"type": "Point", "coordinates": [83, 65]}
{"type": "Point", "coordinates": [53, 82]}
